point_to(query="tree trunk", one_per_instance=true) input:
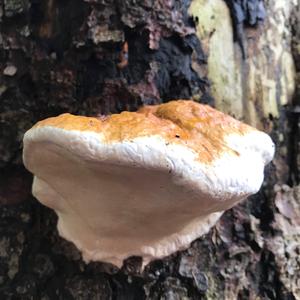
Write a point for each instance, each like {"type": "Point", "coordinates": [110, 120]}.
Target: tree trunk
{"type": "Point", "coordinates": [103, 56]}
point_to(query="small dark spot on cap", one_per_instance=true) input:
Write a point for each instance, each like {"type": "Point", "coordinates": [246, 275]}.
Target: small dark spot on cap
{"type": "Point", "coordinates": [177, 136]}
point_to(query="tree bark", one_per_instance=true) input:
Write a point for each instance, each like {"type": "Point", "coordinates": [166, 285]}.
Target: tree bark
{"type": "Point", "coordinates": [104, 56]}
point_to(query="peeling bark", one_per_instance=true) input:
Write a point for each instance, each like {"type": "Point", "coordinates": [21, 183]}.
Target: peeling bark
{"type": "Point", "coordinates": [102, 56]}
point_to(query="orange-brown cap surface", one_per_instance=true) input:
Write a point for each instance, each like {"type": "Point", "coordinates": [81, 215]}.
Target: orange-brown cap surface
{"type": "Point", "coordinates": [143, 183]}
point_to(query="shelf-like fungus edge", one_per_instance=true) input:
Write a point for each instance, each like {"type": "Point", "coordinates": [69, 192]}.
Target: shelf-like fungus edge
{"type": "Point", "coordinates": [143, 183]}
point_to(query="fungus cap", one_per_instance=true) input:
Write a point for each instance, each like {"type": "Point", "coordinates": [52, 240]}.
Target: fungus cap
{"type": "Point", "coordinates": [143, 183]}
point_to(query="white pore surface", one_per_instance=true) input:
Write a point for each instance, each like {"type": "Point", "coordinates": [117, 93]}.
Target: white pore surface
{"type": "Point", "coordinates": [142, 197]}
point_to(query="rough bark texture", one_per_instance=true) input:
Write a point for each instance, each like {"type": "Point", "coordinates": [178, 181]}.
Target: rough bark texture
{"type": "Point", "coordinates": [103, 56]}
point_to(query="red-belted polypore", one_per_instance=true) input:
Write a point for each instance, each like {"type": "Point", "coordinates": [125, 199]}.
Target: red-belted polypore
{"type": "Point", "coordinates": [143, 183]}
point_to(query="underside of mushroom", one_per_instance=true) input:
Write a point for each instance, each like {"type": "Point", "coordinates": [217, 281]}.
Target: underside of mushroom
{"type": "Point", "coordinates": [143, 183]}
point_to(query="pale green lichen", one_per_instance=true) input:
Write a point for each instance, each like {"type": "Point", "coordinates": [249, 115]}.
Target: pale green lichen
{"type": "Point", "coordinates": [215, 31]}
{"type": "Point", "coordinates": [254, 88]}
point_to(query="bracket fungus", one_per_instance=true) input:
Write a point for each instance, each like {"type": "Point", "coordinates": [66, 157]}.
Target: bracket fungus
{"type": "Point", "coordinates": [143, 183]}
